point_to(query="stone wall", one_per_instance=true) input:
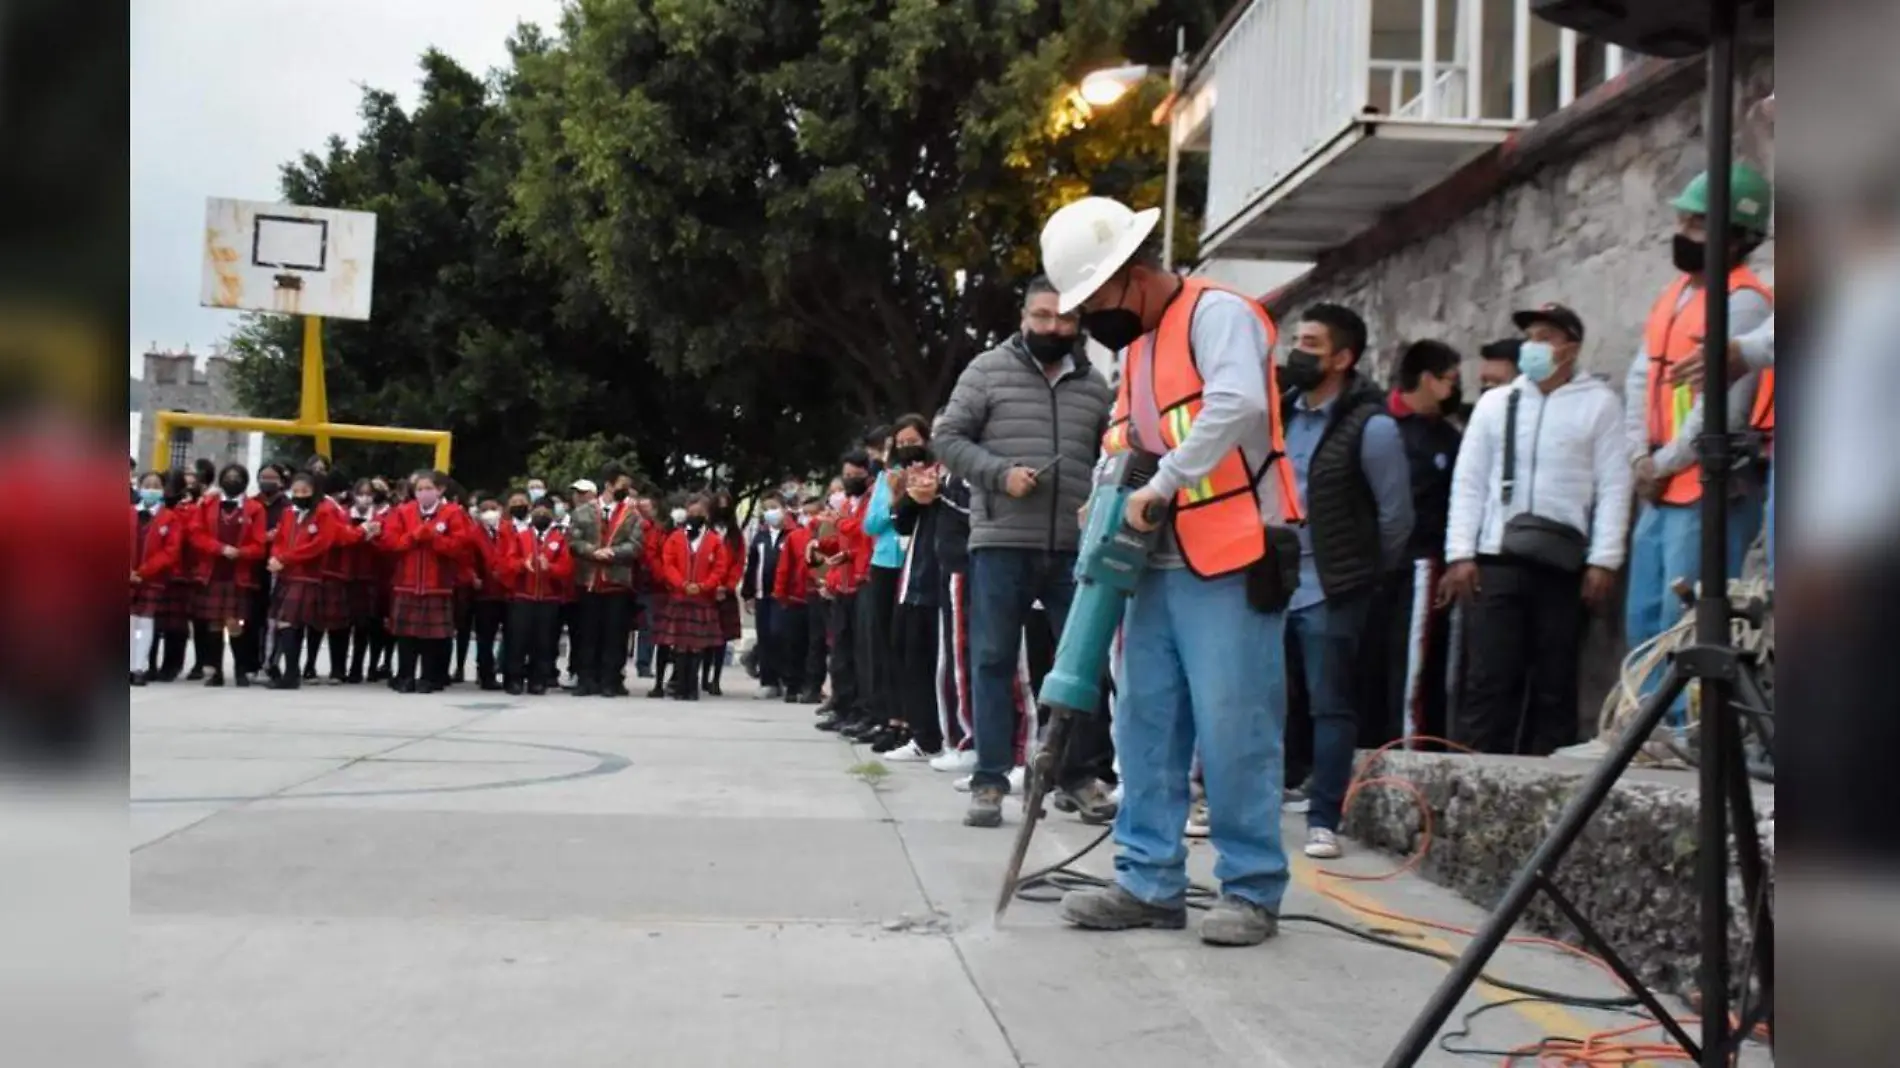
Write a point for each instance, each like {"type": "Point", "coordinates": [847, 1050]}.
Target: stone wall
{"type": "Point", "coordinates": [174, 382]}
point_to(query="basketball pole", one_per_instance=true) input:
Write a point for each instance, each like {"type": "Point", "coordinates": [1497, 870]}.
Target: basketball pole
{"type": "Point", "coordinates": [315, 410]}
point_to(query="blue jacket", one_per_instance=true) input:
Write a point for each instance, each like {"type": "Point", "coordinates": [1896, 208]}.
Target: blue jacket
{"type": "Point", "coordinates": [880, 521]}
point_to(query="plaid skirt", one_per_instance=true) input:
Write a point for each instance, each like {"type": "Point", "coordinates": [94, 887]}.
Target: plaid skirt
{"type": "Point", "coordinates": [651, 612]}
{"type": "Point", "coordinates": [165, 602]}
{"type": "Point", "coordinates": [297, 603]}
{"type": "Point", "coordinates": [333, 605]}
{"type": "Point", "coordinates": [730, 627]}
{"type": "Point", "coordinates": [688, 624]}
{"type": "Point", "coordinates": [366, 600]}
{"type": "Point", "coordinates": [422, 615]}
{"type": "Point", "coordinates": [220, 601]}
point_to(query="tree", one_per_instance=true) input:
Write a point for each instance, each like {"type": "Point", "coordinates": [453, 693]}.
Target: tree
{"type": "Point", "coordinates": [849, 187]}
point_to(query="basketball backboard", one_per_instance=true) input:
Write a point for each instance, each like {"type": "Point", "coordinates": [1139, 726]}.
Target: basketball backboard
{"type": "Point", "coordinates": [289, 259]}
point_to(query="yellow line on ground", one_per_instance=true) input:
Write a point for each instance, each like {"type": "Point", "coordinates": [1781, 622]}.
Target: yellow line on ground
{"type": "Point", "coordinates": [1552, 1019]}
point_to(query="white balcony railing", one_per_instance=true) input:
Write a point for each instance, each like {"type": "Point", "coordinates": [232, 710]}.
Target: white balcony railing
{"type": "Point", "coordinates": [1293, 80]}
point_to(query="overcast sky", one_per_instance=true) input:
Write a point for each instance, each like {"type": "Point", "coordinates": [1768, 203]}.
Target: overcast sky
{"type": "Point", "coordinates": [225, 91]}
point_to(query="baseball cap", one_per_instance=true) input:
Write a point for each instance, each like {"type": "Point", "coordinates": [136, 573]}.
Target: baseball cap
{"type": "Point", "coordinates": [1555, 314]}
{"type": "Point", "coordinates": [583, 485]}
{"type": "Point", "coordinates": [1502, 349]}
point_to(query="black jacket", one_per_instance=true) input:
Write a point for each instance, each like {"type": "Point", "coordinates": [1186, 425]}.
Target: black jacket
{"type": "Point", "coordinates": [1340, 507]}
{"type": "Point", "coordinates": [920, 580]}
{"type": "Point", "coordinates": [1431, 447]}
{"type": "Point", "coordinates": [761, 563]}
{"type": "Point", "coordinates": [953, 525]}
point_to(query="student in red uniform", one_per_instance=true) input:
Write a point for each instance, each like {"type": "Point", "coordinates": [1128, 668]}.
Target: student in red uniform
{"type": "Point", "coordinates": [539, 570]}
{"type": "Point", "coordinates": [491, 590]}
{"type": "Point", "coordinates": [360, 572]}
{"type": "Point", "coordinates": [227, 543]}
{"type": "Point", "coordinates": [382, 645]}
{"type": "Point", "coordinates": [201, 488]}
{"type": "Point", "coordinates": [158, 549]}
{"type": "Point", "coordinates": [428, 535]}
{"type": "Point", "coordinates": [694, 562]}
{"type": "Point", "coordinates": [335, 607]}
{"type": "Point", "coordinates": [465, 581]}
{"type": "Point", "coordinates": [725, 526]}
{"type": "Point", "coordinates": [791, 604]}
{"type": "Point", "coordinates": [654, 551]}
{"type": "Point", "coordinates": [297, 555]}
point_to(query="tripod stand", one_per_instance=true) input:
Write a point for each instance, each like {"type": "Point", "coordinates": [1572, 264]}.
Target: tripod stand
{"type": "Point", "coordinates": [1728, 685]}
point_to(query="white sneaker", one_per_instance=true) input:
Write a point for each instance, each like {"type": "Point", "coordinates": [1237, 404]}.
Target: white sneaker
{"type": "Point", "coordinates": [954, 760]}
{"type": "Point", "coordinates": [908, 753]}
{"type": "Point", "coordinates": [1017, 776]}
{"type": "Point", "coordinates": [1322, 844]}
{"type": "Point", "coordinates": [1197, 820]}
{"type": "Point", "coordinates": [1294, 799]}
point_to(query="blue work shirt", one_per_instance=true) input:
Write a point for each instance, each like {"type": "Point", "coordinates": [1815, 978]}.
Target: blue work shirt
{"type": "Point", "coordinates": [1382, 458]}
{"type": "Point", "coordinates": [880, 521]}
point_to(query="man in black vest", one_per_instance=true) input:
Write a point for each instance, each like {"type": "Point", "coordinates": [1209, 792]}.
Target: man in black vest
{"type": "Point", "coordinates": [1350, 466]}
{"type": "Point", "coordinates": [755, 589]}
{"type": "Point", "coordinates": [1403, 658]}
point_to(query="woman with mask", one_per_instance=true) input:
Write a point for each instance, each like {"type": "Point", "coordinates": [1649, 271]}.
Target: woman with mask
{"type": "Point", "coordinates": [654, 550]}
{"type": "Point", "coordinates": [491, 589]}
{"type": "Point", "coordinates": [539, 570]}
{"type": "Point", "coordinates": [427, 536]}
{"type": "Point", "coordinates": [360, 641]}
{"type": "Point", "coordinates": [334, 607]}
{"type": "Point", "coordinates": [724, 525]}
{"type": "Point", "coordinates": [297, 555]}
{"type": "Point", "coordinates": [695, 563]}
{"type": "Point", "coordinates": [227, 542]}
{"type": "Point", "coordinates": [158, 549]}
{"type": "Point", "coordinates": [382, 576]}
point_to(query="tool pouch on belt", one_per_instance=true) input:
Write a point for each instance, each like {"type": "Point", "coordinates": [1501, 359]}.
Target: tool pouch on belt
{"type": "Point", "coordinates": [1272, 579]}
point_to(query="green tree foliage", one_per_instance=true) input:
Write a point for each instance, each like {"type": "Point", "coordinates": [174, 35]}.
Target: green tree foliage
{"type": "Point", "coordinates": [712, 237]}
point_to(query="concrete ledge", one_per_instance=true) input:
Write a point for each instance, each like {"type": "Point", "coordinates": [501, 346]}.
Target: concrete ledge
{"type": "Point", "coordinates": [1632, 872]}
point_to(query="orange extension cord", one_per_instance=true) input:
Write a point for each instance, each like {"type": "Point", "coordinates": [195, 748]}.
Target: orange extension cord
{"type": "Point", "coordinates": [1608, 1047]}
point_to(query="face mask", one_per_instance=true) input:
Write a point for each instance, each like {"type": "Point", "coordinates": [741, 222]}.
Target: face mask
{"type": "Point", "coordinates": [560, 509]}
{"type": "Point", "coordinates": [149, 498]}
{"type": "Point", "coordinates": [491, 518]}
{"type": "Point", "coordinates": [364, 502]}
{"type": "Point", "coordinates": [232, 488]}
{"type": "Point", "coordinates": [1690, 255]}
{"type": "Point", "coordinates": [906, 455]}
{"type": "Point", "coordinates": [773, 517]}
{"type": "Point", "coordinates": [535, 493]}
{"type": "Point", "coordinates": [837, 501]}
{"type": "Point", "coordinates": [678, 515]}
{"type": "Point", "coordinates": [428, 498]}
{"type": "Point", "coordinates": [518, 511]}
{"type": "Point", "coordinates": [303, 504]}
{"type": "Point", "coordinates": [380, 496]}
{"type": "Point", "coordinates": [622, 494]}
{"type": "Point", "coordinates": [1537, 360]}
{"type": "Point", "coordinates": [1301, 370]}
{"type": "Point", "coordinates": [1116, 328]}
{"type": "Point", "coordinates": [854, 486]}
{"type": "Point", "coordinates": [542, 521]}
{"type": "Point", "coordinates": [695, 524]}
{"type": "Point", "coordinates": [270, 488]}
{"type": "Point", "coordinates": [1048, 349]}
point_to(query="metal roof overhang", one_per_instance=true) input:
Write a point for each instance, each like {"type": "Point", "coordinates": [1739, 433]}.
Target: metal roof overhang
{"type": "Point", "coordinates": [1371, 166]}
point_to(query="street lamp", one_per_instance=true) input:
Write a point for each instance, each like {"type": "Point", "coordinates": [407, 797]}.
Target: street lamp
{"type": "Point", "coordinates": [1103, 88]}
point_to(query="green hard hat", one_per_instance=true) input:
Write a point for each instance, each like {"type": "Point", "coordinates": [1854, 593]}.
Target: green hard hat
{"type": "Point", "coordinates": [1751, 199]}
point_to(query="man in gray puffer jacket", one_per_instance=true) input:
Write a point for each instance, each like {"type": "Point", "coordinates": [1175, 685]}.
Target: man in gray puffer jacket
{"type": "Point", "coordinates": [1024, 427]}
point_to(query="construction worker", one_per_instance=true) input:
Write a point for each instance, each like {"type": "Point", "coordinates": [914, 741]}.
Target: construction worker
{"type": "Point", "coordinates": [1663, 416]}
{"type": "Point", "coordinates": [1203, 637]}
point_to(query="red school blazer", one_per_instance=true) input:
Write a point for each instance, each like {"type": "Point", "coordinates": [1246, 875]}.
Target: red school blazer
{"type": "Point", "coordinates": [705, 567]}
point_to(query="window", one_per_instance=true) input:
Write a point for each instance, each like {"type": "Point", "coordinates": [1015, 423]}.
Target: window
{"type": "Point", "coordinates": [181, 449]}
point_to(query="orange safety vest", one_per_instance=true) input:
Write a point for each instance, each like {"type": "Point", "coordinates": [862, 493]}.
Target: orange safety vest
{"type": "Point", "coordinates": [1217, 520]}
{"type": "Point", "coordinates": [1672, 335]}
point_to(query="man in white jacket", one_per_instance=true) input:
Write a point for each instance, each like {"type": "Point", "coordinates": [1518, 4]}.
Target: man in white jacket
{"type": "Point", "coordinates": [1524, 618]}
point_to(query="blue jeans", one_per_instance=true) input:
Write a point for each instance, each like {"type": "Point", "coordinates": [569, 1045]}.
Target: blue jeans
{"type": "Point", "coordinates": [1200, 668]}
{"type": "Point", "coordinates": [1004, 583]}
{"type": "Point", "coordinates": [1326, 636]}
{"type": "Point", "coordinates": [1665, 546]}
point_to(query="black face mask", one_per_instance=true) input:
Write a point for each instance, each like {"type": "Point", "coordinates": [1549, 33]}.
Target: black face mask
{"type": "Point", "coordinates": [270, 489]}
{"type": "Point", "coordinates": [519, 511]}
{"type": "Point", "coordinates": [1048, 349]}
{"type": "Point", "coordinates": [855, 486]}
{"type": "Point", "coordinates": [303, 504]}
{"type": "Point", "coordinates": [232, 488]}
{"type": "Point", "coordinates": [695, 524]}
{"type": "Point", "coordinates": [1453, 406]}
{"type": "Point", "coordinates": [542, 521]}
{"type": "Point", "coordinates": [622, 494]}
{"type": "Point", "coordinates": [1690, 255]}
{"type": "Point", "coordinates": [1301, 371]}
{"type": "Point", "coordinates": [906, 455]}
{"type": "Point", "coordinates": [1115, 328]}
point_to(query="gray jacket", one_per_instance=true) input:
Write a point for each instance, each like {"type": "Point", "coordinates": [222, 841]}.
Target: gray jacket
{"type": "Point", "coordinates": [1004, 413]}
{"type": "Point", "coordinates": [584, 537]}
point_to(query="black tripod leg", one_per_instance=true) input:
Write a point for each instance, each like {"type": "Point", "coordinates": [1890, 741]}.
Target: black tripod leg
{"type": "Point", "coordinates": [1754, 872]}
{"type": "Point", "coordinates": [1529, 878]}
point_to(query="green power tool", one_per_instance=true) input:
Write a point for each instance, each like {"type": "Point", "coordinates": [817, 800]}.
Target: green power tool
{"type": "Point", "coordinates": [1109, 562]}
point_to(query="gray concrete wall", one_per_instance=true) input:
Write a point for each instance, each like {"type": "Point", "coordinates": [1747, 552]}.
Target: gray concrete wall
{"type": "Point", "coordinates": [174, 382]}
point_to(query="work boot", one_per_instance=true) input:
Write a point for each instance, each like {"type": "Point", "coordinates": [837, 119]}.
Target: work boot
{"type": "Point", "coordinates": [986, 807]}
{"type": "Point", "coordinates": [1111, 908]}
{"type": "Point", "coordinates": [1090, 803]}
{"type": "Point", "coordinates": [1236, 921]}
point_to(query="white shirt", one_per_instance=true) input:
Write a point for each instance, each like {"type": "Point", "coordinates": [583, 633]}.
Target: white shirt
{"type": "Point", "coordinates": [1571, 467]}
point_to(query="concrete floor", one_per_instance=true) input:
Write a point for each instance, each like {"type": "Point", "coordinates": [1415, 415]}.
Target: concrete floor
{"type": "Point", "coordinates": [345, 876]}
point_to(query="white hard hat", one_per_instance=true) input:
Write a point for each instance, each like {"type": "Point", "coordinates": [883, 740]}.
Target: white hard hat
{"type": "Point", "coordinates": [1086, 241]}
